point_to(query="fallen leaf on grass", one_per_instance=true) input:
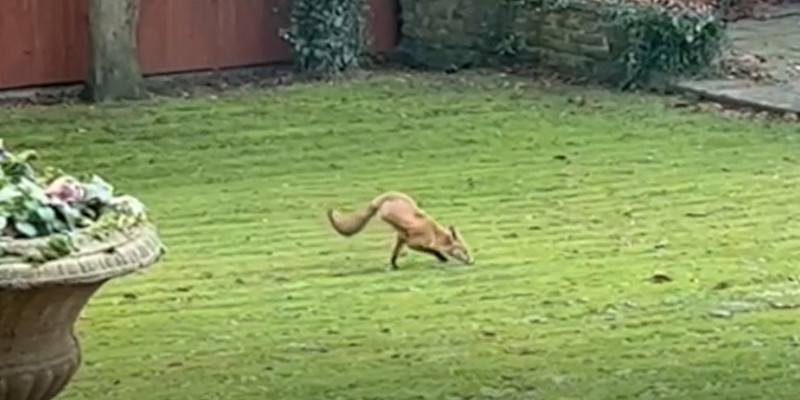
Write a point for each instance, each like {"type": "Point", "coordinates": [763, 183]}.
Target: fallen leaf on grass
{"type": "Point", "coordinates": [720, 313]}
{"type": "Point", "coordinates": [681, 104]}
{"type": "Point", "coordinates": [522, 351]}
{"type": "Point", "coordinates": [660, 246]}
{"type": "Point", "coordinates": [536, 319]}
{"type": "Point", "coordinates": [791, 117]}
{"type": "Point", "coordinates": [488, 333]}
{"type": "Point", "coordinates": [577, 100]}
{"type": "Point", "coordinates": [721, 285]}
{"type": "Point", "coordinates": [313, 348]}
{"type": "Point", "coordinates": [660, 277]}
{"type": "Point", "coordinates": [783, 306]}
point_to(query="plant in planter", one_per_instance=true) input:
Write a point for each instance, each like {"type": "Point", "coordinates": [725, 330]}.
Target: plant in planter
{"type": "Point", "coordinates": [61, 238]}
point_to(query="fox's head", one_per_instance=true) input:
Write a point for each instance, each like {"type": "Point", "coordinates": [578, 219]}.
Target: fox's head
{"type": "Point", "coordinates": [456, 248]}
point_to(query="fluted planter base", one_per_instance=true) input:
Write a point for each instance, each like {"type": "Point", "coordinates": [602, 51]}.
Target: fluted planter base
{"type": "Point", "coordinates": [39, 351]}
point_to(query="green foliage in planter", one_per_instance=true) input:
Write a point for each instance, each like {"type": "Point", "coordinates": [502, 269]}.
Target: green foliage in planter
{"type": "Point", "coordinates": [56, 205]}
{"type": "Point", "coordinates": [652, 40]}
{"type": "Point", "coordinates": [25, 210]}
{"type": "Point", "coordinates": [327, 36]}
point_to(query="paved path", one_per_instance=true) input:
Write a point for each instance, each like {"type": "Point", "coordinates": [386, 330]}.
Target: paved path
{"type": "Point", "coordinates": [779, 97]}
{"type": "Point", "coordinates": [777, 40]}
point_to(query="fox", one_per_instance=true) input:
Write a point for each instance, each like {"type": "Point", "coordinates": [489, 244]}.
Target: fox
{"type": "Point", "coordinates": [414, 228]}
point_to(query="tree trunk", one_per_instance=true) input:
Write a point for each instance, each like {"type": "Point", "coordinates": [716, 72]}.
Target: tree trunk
{"type": "Point", "coordinates": [114, 72]}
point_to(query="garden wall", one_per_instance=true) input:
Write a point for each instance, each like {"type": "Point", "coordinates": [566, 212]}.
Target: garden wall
{"type": "Point", "coordinates": [457, 33]}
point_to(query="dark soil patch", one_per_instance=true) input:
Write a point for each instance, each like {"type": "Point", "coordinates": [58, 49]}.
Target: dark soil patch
{"type": "Point", "coordinates": [189, 84]}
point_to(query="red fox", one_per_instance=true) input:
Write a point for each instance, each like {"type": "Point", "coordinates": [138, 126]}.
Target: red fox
{"type": "Point", "coordinates": [415, 229]}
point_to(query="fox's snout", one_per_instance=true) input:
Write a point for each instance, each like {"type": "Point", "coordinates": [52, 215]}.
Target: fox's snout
{"type": "Point", "coordinates": [464, 258]}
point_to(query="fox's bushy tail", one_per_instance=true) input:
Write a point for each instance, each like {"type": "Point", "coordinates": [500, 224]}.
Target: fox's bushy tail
{"type": "Point", "coordinates": [348, 225]}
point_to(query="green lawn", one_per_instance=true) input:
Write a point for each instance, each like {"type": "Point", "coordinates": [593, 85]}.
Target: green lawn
{"type": "Point", "coordinates": [569, 209]}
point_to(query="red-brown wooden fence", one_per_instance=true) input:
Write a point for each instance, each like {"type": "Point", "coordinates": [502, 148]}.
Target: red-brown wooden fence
{"type": "Point", "coordinates": [45, 42]}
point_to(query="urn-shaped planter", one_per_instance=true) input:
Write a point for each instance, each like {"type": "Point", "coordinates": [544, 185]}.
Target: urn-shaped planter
{"type": "Point", "coordinates": [39, 304]}
{"type": "Point", "coordinates": [61, 239]}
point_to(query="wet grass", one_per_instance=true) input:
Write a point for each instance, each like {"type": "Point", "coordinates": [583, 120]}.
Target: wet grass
{"type": "Point", "coordinates": [570, 207]}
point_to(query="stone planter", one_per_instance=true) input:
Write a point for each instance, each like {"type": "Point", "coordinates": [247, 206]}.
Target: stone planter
{"type": "Point", "coordinates": [39, 304]}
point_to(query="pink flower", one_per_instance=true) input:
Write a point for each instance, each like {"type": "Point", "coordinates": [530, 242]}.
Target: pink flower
{"type": "Point", "coordinates": [66, 189]}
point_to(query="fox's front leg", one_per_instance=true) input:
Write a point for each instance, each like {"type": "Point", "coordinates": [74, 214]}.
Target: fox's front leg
{"type": "Point", "coordinates": [436, 253]}
{"type": "Point", "coordinates": [398, 246]}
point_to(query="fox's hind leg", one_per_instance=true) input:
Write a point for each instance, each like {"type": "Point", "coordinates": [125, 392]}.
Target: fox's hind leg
{"type": "Point", "coordinates": [398, 246]}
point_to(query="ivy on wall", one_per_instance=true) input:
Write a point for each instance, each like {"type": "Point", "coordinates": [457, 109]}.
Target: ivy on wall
{"type": "Point", "coordinates": [659, 41]}
{"type": "Point", "coordinates": [327, 36]}
{"type": "Point", "coordinates": [633, 43]}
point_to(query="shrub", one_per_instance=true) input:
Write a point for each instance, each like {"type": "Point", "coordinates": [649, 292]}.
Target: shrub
{"type": "Point", "coordinates": [664, 43]}
{"type": "Point", "coordinates": [327, 36]}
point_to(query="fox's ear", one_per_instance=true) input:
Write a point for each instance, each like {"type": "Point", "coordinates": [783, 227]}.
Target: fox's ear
{"type": "Point", "coordinates": [453, 232]}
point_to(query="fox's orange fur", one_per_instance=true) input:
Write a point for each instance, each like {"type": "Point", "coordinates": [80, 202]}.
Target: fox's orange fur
{"type": "Point", "coordinates": [414, 228]}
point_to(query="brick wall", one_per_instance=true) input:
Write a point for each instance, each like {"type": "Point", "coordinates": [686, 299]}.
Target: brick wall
{"type": "Point", "coordinates": [440, 33]}
{"type": "Point", "coordinates": [576, 40]}
{"type": "Point", "coordinates": [456, 33]}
